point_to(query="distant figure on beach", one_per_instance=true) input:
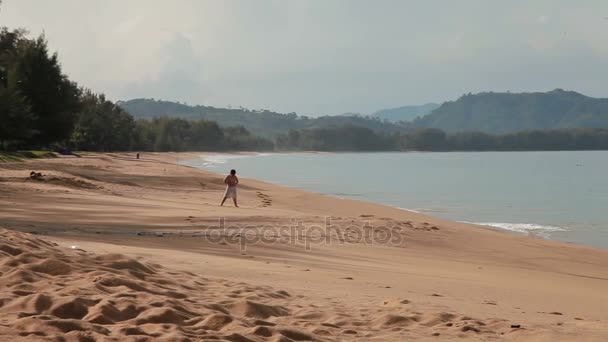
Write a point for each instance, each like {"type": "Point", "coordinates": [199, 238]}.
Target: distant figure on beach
{"type": "Point", "coordinates": [138, 156]}
{"type": "Point", "coordinates": [231, 182]}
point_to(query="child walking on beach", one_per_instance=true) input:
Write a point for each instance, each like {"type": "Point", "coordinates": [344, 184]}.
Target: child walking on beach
{"type": "Point", "coordinates": [231, 182]}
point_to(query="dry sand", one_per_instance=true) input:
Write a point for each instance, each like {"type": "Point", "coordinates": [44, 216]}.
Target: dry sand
{"type": "Point", "coordinates": [109, 248]}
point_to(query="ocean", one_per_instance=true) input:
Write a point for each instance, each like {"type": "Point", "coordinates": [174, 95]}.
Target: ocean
{"type": "Point", "coordinates": [553, 195]}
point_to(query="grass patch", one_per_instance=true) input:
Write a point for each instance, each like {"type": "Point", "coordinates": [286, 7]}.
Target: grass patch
{"type": "Point", "coordinates": [7, 157]}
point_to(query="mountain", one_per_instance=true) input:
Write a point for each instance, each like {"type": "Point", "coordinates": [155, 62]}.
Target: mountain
{"type": "Point", "coordinates": [263, 123]}
{"type": "Point", "coordinates": [405, 113]}
{"type": "Point", "coordinates": [501, 113]}
{"type": "Point", "coordinates": [351, 114]}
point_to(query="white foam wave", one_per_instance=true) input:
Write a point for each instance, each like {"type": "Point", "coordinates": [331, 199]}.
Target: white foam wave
{"type": "Point", "coordinates": [212, 159]}
{"type": "Point", "coordinates": [410, 210]}
{"type": "Point", "coordinates": [221, 158]}
{"type": "Point", "coordinates": [526, 228]}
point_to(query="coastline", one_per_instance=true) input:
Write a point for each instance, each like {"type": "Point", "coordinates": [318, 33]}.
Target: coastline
{"type": "Point", "coordinates": [509, 219]}
{"type": "Point", "coordinates": [498, 227]}
{"type": "Point", "coordinates": [160, 211]}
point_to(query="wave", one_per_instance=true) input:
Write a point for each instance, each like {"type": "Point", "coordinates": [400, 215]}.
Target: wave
{"type": "Point", "coordinates": [526, 228]}
{"type": "Point", "coordinates": [221, 158]}
{"type": "Point", "coordinates": [213, 159]}
{"type": "Point", "coordinates": [410, 210]}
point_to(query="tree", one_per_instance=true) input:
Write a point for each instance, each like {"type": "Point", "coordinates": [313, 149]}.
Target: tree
{"type": "Point", "coordinates": [15, 113]}
{"type": "Point", "coordinates": [425, 139]}
{"type": "Point", "coordinates": [53, 98]}
{"type": "Point", "coordinates": [206, 135]}
{"type": "Point", "coordinates": [293, 138]}
{"type": "Point", "coordinates": [15, 118]}
{"type": "Point", "coordinates": [102, 126]}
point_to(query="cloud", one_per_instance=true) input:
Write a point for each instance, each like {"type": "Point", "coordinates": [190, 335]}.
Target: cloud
{"type": "Point", "coordinates": [179, 77]}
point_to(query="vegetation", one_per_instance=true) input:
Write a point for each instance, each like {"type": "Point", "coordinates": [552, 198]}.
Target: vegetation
{"type": "Point", "coordinates": [40, 108]}
{"type": "Point", "coordinates": [101, 126]}
{"type": "Point", "coordinates": [38, 103]}
{"type": "Point", "coordinates": [19, 156]}
{"type": "Point", "coordinates": [345, 138]}
{"type": "Point", "coordinates": [260, 122]}
{"type": "Point", "coordinates": [431, 139]}
{"type": "Point", "coordinates": [501, 113]}
{"type": "Point", "coordinates": [172, 134]}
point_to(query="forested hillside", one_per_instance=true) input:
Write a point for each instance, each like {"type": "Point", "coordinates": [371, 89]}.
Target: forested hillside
{"type": "Point", "coordinates": [510, 112]}
{"type": "Point", "coordinates": [260, 122]}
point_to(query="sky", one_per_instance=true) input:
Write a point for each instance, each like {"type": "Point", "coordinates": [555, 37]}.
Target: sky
{"type": "Point", "coordinates": [321, 57]}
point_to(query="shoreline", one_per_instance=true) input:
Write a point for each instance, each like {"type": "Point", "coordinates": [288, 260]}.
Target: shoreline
{"type": "Point", "coordinates": [435, 271]}
{"type": "Point", "coordinates": [532, 229]}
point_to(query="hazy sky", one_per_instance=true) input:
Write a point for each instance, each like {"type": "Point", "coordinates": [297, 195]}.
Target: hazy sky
{"type": "Point", "coordinates": [325, 56]}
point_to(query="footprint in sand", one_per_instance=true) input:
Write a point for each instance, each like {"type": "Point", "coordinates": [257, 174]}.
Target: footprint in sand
{"type": "Point", "coordinates": [425, 226]}
{"type": "Point", "coordinates": [266, 200]}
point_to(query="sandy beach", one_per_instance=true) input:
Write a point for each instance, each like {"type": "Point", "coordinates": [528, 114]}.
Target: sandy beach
{"type": "Point", "coordinates": [109, 248]}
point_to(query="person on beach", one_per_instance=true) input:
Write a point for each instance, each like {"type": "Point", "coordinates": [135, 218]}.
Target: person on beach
{"type": "Point", "coordinates": [231, 182]}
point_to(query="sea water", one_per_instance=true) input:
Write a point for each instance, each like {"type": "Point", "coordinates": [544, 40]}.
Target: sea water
{"type": "Point", "coordinates": [554, 195]}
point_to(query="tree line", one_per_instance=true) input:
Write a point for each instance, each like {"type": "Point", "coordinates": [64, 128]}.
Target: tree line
{"type": "Point", "coordinates": [353, 138]}
{"type": "Point", "coordinates": [41, 108]}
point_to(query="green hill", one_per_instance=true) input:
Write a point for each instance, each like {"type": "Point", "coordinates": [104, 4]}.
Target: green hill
{"type": "Point", "coordinates": [405, 113]}
{"type": "Point", "coordinates": [259, 122]}
{"type": "Point", "coordinates": [513, 112]}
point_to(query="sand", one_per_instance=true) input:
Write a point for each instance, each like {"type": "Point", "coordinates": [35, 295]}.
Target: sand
{"type": "Point", "coordinates": [110, 248]}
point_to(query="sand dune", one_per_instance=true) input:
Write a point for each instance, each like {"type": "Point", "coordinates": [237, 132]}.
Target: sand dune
{"type": "Point", "coordinates": [50, 292]}
{"type": "Point", "coordinates": [135, 250]}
